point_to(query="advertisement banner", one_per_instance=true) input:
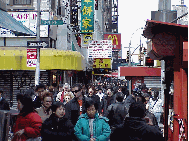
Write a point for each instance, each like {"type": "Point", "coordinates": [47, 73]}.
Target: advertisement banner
{"type": "Point", "coordinates": [86, 39]}
{"type": "Point", "coordinates": [31, 57]}
{"type": "Point", "coordinates": [87, 16]}
{"type": "Point", "coordinates": [116, 40]}
{"type": "Point", "coordinates": [29, 19]}
{"type": "Point", "coordinates": [100, 49]}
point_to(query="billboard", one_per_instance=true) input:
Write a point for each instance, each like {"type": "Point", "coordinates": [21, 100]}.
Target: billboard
{"type": "Point", "coordinates": [100, 49]}
{"type": "Point", "coordinates": [87, 16]}
{"type": "Point", "coordinates": [102, 63]}
{"type": "Point", "coordinates": [86, 39]}
{"type": "Point", "coordinates": [116, 40]}
{"type": "Point", "coordinates": [29, 19]}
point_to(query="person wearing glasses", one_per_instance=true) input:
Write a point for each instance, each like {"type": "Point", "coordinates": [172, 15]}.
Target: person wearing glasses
{"type": "Point", "coordinates": [45, 110]}
{"type": "Point", "coordinates": [76, 107]}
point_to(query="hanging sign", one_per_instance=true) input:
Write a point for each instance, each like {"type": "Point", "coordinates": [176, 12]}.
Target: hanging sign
{"type": "Point", "coordinates": [87, 16]}
{"type": "Point", "coordinates": [116, 40]}
{"type": "Point", "coordinates": [31, 57]}
{"type": "Point", "coordinates": [100, 49]}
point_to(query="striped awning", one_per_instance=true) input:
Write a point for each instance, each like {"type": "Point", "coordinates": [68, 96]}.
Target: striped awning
{"type": "Point", "coordinates": [8, 22]}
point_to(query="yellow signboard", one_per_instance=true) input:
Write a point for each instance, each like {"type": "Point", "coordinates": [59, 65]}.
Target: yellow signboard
{"type": "Point", "coordinates": [102, 63]}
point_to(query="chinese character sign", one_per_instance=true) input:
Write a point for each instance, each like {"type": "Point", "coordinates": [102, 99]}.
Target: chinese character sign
{"type": "Point", "coordinates": [31, 57]}
{"type": "Point", "coordinates": [87, 16]}
{"type": "Point", "coordinates": [116, 40]}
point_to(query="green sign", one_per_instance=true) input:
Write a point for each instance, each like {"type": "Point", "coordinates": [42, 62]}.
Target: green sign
{"type": "Point", "coordinates": [52, 22]}
{"type": "Point", "coordinates": [87, 16]}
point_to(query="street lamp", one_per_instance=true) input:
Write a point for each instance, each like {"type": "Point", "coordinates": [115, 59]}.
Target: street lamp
{"type": "Point", "coordinates": [130, 45]}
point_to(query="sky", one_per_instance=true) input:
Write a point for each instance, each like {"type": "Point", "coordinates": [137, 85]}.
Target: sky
{"type": "Point", "coordinates": [133, 15]}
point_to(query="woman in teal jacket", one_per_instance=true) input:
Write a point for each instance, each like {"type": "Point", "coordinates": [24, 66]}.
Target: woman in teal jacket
{"type": "Point", "coordinates": [92, 127]}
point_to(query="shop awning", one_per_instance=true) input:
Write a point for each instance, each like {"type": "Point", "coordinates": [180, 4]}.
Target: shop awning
{"type": "Point", "coordinates": [15, 58]}
{"type": "Point", "coordinates": [8, 22]}
{"type": "Point", "coordinates": [140, 71]}
{"type": "Point", "coordinates": [154, 27]}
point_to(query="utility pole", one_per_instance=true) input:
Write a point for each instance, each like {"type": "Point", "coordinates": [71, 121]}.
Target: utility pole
{"type": "Point", "coordinates": [37, 70]}
{"type": "Point", "coordinates": [130, 87]}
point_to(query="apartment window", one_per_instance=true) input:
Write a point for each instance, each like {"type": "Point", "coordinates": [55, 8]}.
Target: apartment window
{"type": "Point", "coordinates": [22, 2]}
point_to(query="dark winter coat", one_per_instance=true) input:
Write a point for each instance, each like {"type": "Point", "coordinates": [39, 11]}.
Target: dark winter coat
{"type": "Point", "coordinates": [4, 105]}
{"type": "Point", "coordinates": [96, 99]}
{"type": "Point", "coordinates": [136, 129]}
{"type": "Point", "coordinates": [105, 103]}
{"type": "Point", "coordinates": [129, 100]}
{"type": "Point", "coordinates": [37, 102]}
{"type": "Point", "coordinates": [152, 117]}
{"type": "Point", "coordinates": [116, 114]}
{"type": "Point", "coordinates": [73, 109]}
{"type": "Point", "coordinates": [55, 129]}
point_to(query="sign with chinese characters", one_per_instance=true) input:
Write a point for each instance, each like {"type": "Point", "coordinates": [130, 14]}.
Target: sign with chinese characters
{"type": "Point", "coordinates": [31, 57]}
{"type": "Point", "coordinates": [116, 40]}
{"type": "Point", "coordinates": [100, 49]}
{"type": "Point", "coordinates": [28, 19]}
{"type": "Point", "coordinates": [87, 16]}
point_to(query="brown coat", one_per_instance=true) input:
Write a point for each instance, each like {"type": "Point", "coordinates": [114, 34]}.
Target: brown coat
{"type": "Point", "coordinates": [43, 114]}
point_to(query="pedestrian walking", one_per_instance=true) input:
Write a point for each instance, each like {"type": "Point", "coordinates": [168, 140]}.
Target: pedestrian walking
{"type": "Point", "coordinates": [100, 93]}
{"type": "Point", "coordinates": [135, 127]}
{"type": "Point", "coordinates": [57, 127]}
{"type": "Point", "coordinates": [95, 98]}
{"type": "Point", "coordinates": [107, 100]}
{"type": "Point", "coordinates": [45, 110]}
{"type": "Point", "coordinates": [91, 126]}
{"type": "Point", "coordinates": [28, 123]}
{"type": "Point", "coordinates": [4, 105]}
{"type": "Point", "coordinates": [117, 111]}
{"type": "Point", "coordinates": [39, 91]}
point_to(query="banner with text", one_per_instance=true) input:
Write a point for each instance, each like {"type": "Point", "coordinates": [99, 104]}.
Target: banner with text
{"type": "Point", "coordinates": [116, 40]}
{"type": "Point", "coordinates": [87, 16]}
{"type": "Point", "coordinates": [100, 49]}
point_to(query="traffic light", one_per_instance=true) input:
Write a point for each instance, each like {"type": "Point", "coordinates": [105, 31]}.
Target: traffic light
{"type": "Point", "coordinates": [127, 59]}
{"type": "Point", "coordinates": [144, 51]}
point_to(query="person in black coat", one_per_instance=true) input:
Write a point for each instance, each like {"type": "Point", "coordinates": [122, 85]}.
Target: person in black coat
{"type": "Point", "coordinates": [76, 106]}
{"type": "Point", "coordinates": [107, 100]}
{"type": "Point", "coordinates": [92, 95]}
{"type": "Point", "coordinates": [117, 111]}
{"type": "Point", "coordinates": [57, 127]}
{"type": "Point", "coordinates": [4, 105]}
{"type": "Point", "coordinates": [135, 127]}
{"type": "Point", "coordinates": [37, 101]}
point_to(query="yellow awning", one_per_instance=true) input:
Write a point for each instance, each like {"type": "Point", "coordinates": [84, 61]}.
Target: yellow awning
{"type": "Point", "coordinates": [15, 58]}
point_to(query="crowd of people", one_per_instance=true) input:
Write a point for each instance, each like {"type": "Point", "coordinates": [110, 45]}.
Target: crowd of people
{"type": "Point", "coordinates": [94, 112]}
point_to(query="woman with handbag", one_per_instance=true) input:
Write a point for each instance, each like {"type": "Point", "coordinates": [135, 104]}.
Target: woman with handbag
{"type": "Point", "coordinates": [28, 124]}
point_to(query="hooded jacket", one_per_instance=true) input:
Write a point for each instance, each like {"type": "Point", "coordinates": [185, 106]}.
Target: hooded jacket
{"type": "Point", "coordinates": [136, 129]}
{"type": "Point", "coordinates": [56, 129]}
{"type": "Point", "coordinates": [101, 129]}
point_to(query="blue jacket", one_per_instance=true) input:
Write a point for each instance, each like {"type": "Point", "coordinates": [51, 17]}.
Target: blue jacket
{"type": "Point", "coordinates": [101, 128]}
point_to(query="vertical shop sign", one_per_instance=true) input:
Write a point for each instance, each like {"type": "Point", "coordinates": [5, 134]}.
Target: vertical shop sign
{"type": "Point", "coordinates": [87, 16]}
{"type": "Point", "coordinates": [31, 57]}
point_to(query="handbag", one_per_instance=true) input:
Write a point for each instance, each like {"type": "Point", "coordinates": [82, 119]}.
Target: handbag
{"type": "Point", "coordinates": [34, 139]}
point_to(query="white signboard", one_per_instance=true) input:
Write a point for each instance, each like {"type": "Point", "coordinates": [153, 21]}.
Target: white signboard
{"type": "Point", "coordinates": [29, 19]}
{"type": "Point", "coordinates": [100, 49]}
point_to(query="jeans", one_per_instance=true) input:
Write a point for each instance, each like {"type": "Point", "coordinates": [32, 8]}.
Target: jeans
{"type": "Point", "coordinates": [157, 115]}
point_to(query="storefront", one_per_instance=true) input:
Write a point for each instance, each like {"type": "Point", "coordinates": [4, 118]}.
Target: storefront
{"type": "Point", "coordinates": [56, 66]}
{"type": "Point", "coordinates": [170, 43]}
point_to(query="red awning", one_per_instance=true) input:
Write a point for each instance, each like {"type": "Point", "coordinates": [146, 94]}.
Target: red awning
{"type": "Point", "coordinates": [140, 71]}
